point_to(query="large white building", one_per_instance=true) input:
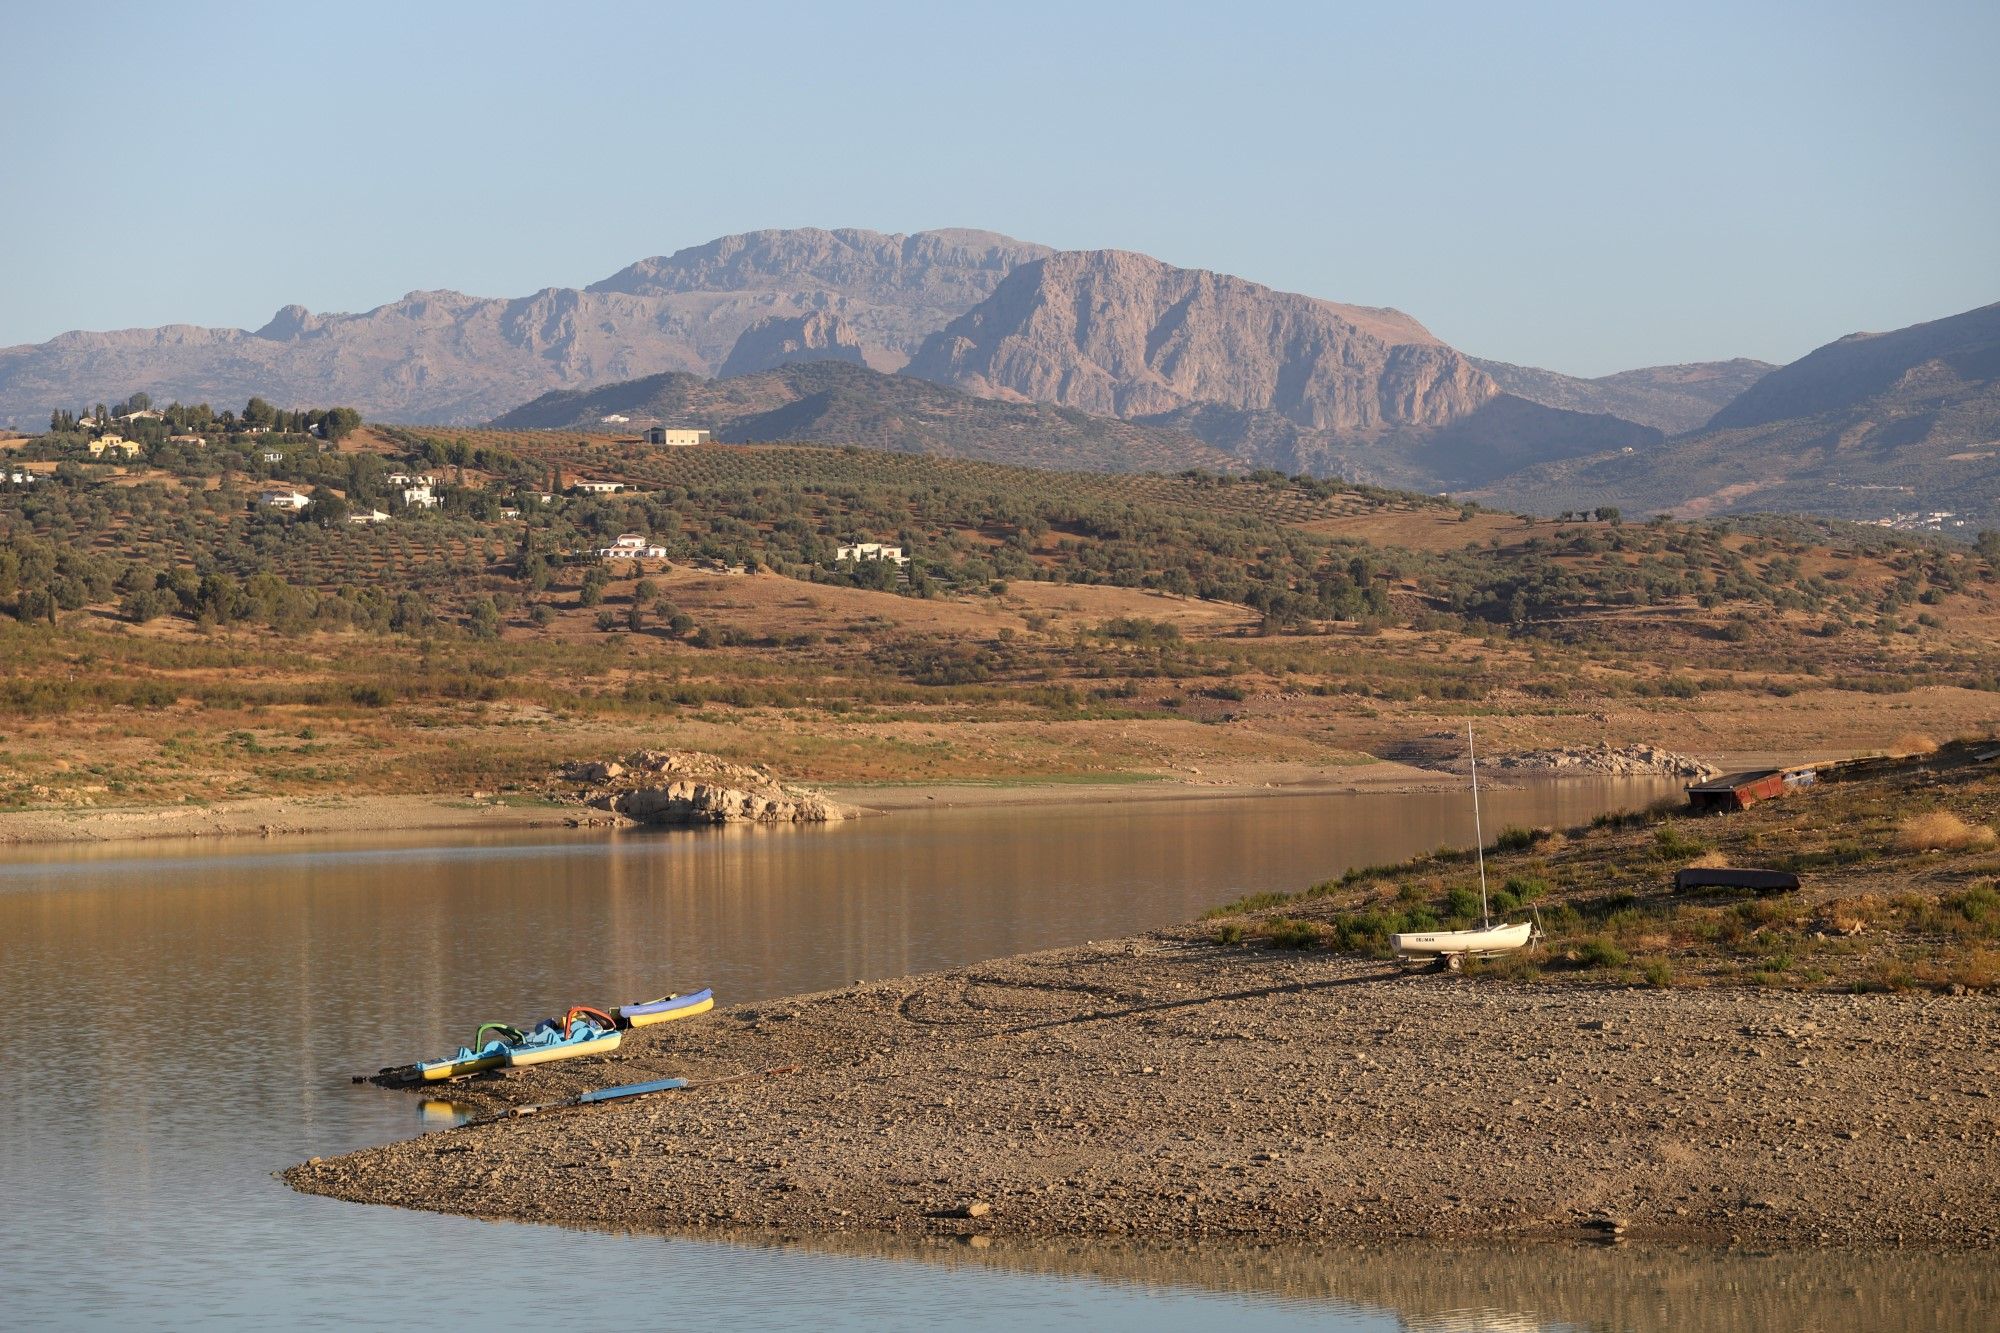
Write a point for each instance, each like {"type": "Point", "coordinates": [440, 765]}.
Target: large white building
{"type": "Point", "coordinates": [860, 551]}
{"type": "Point", "coordinates": [632, 546]}
{"type": "Point", "coordinates": [677, 438]}
{"type": "Point", "coordinates": [286, 499]}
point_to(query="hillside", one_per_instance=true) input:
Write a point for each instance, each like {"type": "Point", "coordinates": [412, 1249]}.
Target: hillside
{"type": "Point", "coordinates": [834, 403]}
{"type": "Point", "coordinates": [444, 356]}
{"type": "Point", "coordinates": [1672, 399]}
{"type": "Point", "coordinates": [1181, 627]}
{"type": "Point", "coordinates": [1899, 427]}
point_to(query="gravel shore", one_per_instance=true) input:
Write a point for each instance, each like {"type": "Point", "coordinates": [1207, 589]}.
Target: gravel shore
{"type": "Point", "coordinates": [1167, 1088]}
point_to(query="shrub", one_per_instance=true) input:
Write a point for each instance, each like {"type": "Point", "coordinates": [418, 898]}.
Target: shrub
{"type": "Point", "coordinates": [1514, 838]}
{"type": "Point", "coordinates": [1659, 973]}
{"type": "Point", "coordinates": [1941, 831]}
{"type": "Point", "coordinates": [1670, 842]}
{"type": "Point", "coordinates": [1286, 933]}
{"type": "Point", "coordinates": [1461, 904]}
{"type": "Point", "coordinates": [1597, 951]}
{"type": "Point", "coordinates": [1229, 932]}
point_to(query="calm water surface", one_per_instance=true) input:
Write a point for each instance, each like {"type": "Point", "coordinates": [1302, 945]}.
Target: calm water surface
{"type": "Point", "coordinates": [186, 1018]}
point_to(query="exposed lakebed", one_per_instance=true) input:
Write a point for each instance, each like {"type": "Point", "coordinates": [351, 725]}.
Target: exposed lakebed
{"type": "Point", "coordinates": [207, 1002]}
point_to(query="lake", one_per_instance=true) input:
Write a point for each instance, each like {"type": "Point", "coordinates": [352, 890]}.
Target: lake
{"type": "Point", "coordinates": [188, 1016]}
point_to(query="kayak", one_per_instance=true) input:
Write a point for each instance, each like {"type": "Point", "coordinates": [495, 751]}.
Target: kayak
{"type": "Point", "coordinates": [581, 1031]}
{"type": "Point", "coordinates": [477, 1058]}
{"type": "Point", "coordinates": [665, 1009]}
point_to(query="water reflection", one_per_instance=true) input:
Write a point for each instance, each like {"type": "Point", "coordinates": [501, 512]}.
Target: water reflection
{"type": "Point", "coordinates": [1542, 1286]}
{"type": "Point", "coordinates": [198, 1009]}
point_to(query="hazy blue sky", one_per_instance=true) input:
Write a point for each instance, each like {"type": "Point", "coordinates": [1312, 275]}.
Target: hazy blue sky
{"type": "Point", "coordinates": [1584, 186]}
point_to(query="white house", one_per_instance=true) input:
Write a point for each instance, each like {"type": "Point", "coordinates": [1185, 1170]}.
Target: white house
{"type": "Point", "coordinates": [675, 438]}
{"type": "Point", "coordinates": [361, 516]}
{"type": "Point", "coordinates": [144, 414]}
{"type": "Point", "coordinates": [20, 477]}
{"type": "Point", "coordinates": [597, 487]}
{"type": "Point", "coordinates": [632, 546]}
{"type": "Point", "coordinates": [273, 456]}
{"type": "Point", "coordinates": [293, 500]}
{"type": "Point", "coordinates": [860, 551]}
{"type": "Point", "coordinates": [510, 513]}
{"type": "Point", "coordinates": [418, 495]}
{"type": "Point", "coordinates": [412, 479]}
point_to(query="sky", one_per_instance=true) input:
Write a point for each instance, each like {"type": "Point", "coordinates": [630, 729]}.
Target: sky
{"type": "Point", "coordinates": [1582, 186]}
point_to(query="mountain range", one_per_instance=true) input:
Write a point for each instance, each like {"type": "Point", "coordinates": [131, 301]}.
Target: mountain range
{"type": "Point", "coordinates": [987, 337]}
{"type": "Point", "coordinates": [1901, 427]}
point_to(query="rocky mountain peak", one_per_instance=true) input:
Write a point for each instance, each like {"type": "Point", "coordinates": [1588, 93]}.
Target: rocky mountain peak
{"type": "Point", "coordinates": [290, 324]}
{"type": "Point", "coordinates": [1123, 334]}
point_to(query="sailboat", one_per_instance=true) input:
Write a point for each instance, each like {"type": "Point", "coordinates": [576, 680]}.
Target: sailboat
{"type": "Point", "coordinates": [1455, 946]}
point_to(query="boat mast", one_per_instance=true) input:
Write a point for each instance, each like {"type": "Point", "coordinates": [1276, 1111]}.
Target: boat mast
{"type": "Point", "coordinates": [1478, 834]}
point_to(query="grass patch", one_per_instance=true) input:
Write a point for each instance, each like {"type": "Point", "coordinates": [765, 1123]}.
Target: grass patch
{"type": "Point", "coordinates": [1942, 831]}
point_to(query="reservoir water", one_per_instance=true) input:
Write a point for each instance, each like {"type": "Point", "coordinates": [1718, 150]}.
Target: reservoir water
{"type": "Point", "coordinates": [185, 1018]}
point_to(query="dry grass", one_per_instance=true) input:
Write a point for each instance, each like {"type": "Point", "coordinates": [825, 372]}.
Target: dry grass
{"type": "Point", "coordinates": [1942, 831]}
{"type": "Point", "coordinates": [1912, 742]}
{"type": "Point", "coordinates": [1709, 861]}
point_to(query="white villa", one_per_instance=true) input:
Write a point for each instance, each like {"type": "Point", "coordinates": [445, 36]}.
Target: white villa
{"type": "Point", "coordinates": [597, 487]}
{"type": "Point", "coordinates": [860, 551]}
{"type": "Point", "coordinates": [364, 516]}
{"type": "Point", "coordinates": [144, 414]}
{"type": "Point", "coordinates": [286, 499]}
{"type": "Point", "coordinates": [416, 489]}
{"type": "Point", "coordinates": [632, 546]}
{"type": "Point", "coordinates": [676, 438]}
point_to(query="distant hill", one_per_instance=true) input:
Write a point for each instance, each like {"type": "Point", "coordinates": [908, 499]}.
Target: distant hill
{"type": "Point", "coordinates": [442, 356]}
{"type": "Point", "coordinates": [828, 402]}
{"type": "Point", "coordinates": [1672, 399]}
{"type": "Point", "coordinates": [1877, 426]}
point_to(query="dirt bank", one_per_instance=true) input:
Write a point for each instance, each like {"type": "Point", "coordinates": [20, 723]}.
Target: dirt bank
{"type": "Point", "coordinates": [269, 816]}
{"type": "Point", "coordinates": [1168, 1087]}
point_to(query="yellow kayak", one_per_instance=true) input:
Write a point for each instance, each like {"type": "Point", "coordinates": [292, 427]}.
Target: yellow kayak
{"type": "Point", "coordinates": [665, 1009]}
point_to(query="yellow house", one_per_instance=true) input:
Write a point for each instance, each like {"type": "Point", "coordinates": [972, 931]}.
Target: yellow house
{"type": "Point", "coordinates": [114, 444]}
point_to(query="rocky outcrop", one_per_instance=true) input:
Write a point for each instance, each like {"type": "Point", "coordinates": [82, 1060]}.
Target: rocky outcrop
{"type": "Point", "coordinates": [1122, 334]}
{"type": "Point", "coordinates": [688, 787]}
{"type": "Point", "coordinates": [1624, 761]}
{"type": "Point", "coordinates": [783, 340]}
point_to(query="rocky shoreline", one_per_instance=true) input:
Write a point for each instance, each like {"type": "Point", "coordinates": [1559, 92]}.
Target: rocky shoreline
{"type": "Point", "coordinates": [1170, 1088]}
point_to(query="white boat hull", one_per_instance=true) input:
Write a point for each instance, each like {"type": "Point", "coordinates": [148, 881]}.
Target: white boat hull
{"type": "Point", "coordinates": [1458, 943]}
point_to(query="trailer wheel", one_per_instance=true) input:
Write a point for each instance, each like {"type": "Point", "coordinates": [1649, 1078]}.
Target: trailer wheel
{"type": "Point", "coordinates": [1455, 962]}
